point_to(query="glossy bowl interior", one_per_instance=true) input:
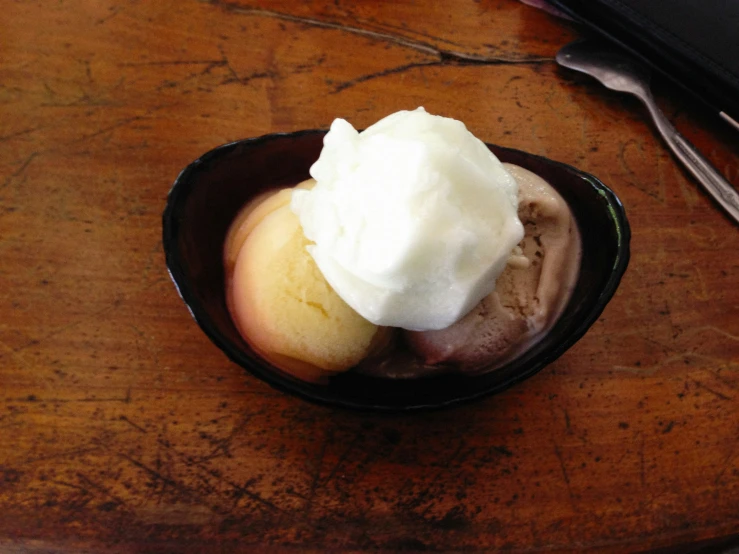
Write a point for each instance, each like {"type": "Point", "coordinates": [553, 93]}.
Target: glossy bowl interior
{"type": "Point", "coordinates": [208, 194]}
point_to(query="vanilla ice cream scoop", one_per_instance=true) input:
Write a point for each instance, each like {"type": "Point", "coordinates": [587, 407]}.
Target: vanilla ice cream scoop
{"type": "Point", "coordinates": [412, 220]}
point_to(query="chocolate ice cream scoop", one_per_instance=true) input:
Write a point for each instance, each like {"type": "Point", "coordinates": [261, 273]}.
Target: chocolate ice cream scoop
{"type": "Point", "coordinates": [529, 295]}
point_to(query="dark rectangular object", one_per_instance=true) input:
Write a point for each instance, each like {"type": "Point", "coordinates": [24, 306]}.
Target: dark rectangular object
{"type": "Point", "coordinates": [694, 42]}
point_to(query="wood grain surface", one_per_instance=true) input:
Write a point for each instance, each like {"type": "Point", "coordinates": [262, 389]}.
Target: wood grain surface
{"type": "Point", "coordinates": [123, 429]}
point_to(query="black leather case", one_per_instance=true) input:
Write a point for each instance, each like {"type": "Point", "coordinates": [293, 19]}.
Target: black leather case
{"type": "Point", "coordinates": [694, 42]}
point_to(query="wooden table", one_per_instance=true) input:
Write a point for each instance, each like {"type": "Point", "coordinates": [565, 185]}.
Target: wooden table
{"type": "Point", "coordinates": [123, 429]}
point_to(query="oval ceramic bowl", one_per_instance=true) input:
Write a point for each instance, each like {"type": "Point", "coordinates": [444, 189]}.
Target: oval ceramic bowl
{"type": "Point", "coordinates": [207, 195]}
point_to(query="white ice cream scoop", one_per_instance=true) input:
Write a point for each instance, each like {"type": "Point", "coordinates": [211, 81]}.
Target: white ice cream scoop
{"type": "Point", "coordinates": [412, 220]}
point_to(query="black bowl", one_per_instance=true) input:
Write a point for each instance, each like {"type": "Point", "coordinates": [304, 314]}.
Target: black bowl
{"type": "Point", "coordinates": [207, 195]}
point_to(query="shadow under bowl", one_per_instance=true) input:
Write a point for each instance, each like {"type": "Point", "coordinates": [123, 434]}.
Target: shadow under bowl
{"type": "Point", "coordinates": [208, 194]}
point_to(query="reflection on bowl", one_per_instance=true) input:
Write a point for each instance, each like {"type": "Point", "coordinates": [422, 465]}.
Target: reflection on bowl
{"type": "Point", "coordinates": [208, 194]}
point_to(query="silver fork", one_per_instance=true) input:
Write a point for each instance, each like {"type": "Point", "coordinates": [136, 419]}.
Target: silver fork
{"type": "Point", "coordinates": [621, 73]}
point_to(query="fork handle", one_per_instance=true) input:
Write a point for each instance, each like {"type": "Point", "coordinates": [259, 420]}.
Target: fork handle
{"type": "Point", "coordinates": [713, 182]}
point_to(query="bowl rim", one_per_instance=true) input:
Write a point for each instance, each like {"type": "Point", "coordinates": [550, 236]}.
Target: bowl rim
{"type": "Point", "coordinates": [177, 273]}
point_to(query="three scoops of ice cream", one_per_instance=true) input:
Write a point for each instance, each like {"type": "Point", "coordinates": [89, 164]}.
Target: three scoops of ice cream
{"type": "Point", "coordinates": [412, 250]}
